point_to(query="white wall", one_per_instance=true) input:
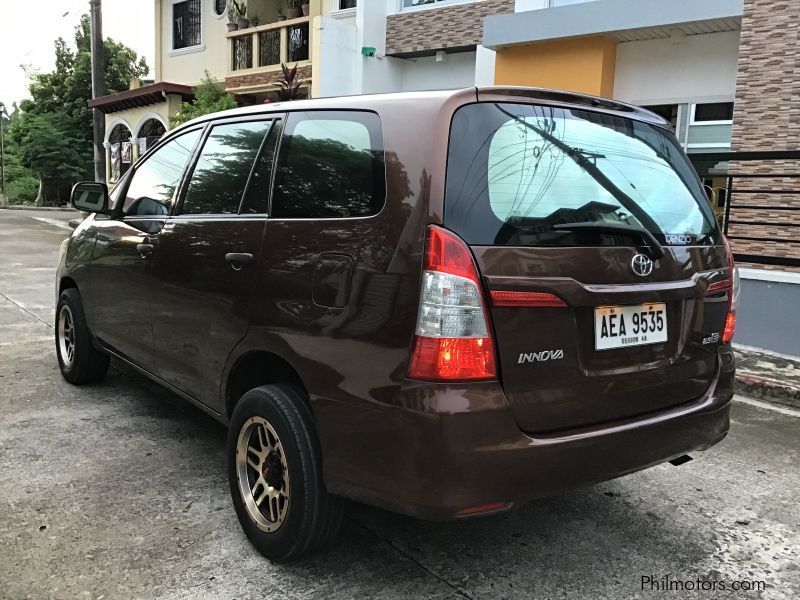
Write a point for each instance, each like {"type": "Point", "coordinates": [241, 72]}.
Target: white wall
{"type": "Point", "coordinates": [338, 67]}
{"type": "Point", "coordinates": [694, 68]}
{"type": "Point", "coordinates": [424, 73]}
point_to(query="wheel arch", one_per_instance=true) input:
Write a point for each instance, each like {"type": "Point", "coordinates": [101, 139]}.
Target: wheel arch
{"type": "Point", "coordinates": [66, 283]}
{"type": "Point", "coordinates": [255, 368]}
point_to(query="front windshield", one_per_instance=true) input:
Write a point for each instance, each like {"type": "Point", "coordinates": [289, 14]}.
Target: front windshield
{"type": "Point", "coordinates": [516, 170]}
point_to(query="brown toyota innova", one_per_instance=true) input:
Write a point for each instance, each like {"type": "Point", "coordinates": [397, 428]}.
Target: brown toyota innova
{"type": "Point", "coordinates": [441, 303]}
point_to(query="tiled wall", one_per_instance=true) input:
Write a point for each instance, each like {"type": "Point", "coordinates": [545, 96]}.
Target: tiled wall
{"type": "Point", "coordinates": [441, 28]}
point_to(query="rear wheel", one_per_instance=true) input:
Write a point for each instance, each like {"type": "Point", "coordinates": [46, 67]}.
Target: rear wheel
{"type": "Point", "coordinates": [80, 362]}
{"type": "Point", "coordinates": [275, 473]}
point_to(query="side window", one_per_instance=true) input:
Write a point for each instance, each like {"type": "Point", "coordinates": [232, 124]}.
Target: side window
{"type": "Point", "coordinates": [152, 188]}
{"type": "Point", "coordinates": [330, 165]}
{"type": "Point", "coordinates": [256, 199]}
{"type": "Point", "coordinates": [223, 167]}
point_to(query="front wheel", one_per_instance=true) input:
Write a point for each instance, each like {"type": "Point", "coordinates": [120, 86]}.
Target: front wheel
{"type": "Point", "coordinates": [275, 474]}
{"type": "Point", "coordinates": [80, 362]}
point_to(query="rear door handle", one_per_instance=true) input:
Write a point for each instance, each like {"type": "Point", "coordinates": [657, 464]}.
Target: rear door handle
{"type": "Point", "coordinates": [145, 250]}
{"type": "Point", "coordinates": [239, 259]}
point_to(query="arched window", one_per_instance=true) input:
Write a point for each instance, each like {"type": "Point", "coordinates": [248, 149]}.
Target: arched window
{"type": "Point", "coordinates": [121, 151]}
{"type": "Point", "coordinates": [149, 133]}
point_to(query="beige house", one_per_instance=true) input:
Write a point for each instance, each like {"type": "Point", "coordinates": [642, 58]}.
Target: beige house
{"type": "Point", "coordinates": [193, 37]}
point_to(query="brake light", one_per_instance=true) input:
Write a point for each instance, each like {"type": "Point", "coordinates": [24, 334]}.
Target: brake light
{"type": "Point", "coordinates": [452, 340]}
{"type": "Point", "coordinates": [527, 299]}
{"type": "Point", "coordinates": [733, 294]}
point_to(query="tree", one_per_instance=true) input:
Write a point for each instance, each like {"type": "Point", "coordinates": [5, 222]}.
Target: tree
{"type": "Point", "coordinates": [209, 97]}
{"type": "Point", "coordinates": [57, 118]}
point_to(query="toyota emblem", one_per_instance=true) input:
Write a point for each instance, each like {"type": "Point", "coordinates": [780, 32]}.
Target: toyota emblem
{"type": "Point", "coordinates": [642, 265]}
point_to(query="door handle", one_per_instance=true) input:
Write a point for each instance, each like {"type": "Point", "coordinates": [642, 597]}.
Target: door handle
{"type": "Point", "coordinates": [239, 259]}
{"type": "Point", "coordinates": [145, 250]}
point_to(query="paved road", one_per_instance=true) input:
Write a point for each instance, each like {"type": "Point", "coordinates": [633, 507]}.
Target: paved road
{"type": "Point", "coordinates": [118, 491]}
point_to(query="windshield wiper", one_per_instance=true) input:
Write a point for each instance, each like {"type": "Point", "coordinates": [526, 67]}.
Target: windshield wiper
{"type": "Point", "coordinates": [649, 240]}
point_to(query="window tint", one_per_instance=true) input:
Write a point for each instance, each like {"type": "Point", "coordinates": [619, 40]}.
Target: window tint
{"type": "Point", "coordinates": [256, 200]}
{"type": "Point", "coordinates": [222, 169]}
{"type": "Point", "coordinates": [515, 171]}
{"type": "Point", "coordinates": [152, 188]}
{"type": "Point", "coordinates": [330, 165]}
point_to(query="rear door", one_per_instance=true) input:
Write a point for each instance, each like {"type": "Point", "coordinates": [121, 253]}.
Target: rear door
{"type": "Point", "coordinates": [595, 328]}
{"type": "Point", "coordinates": [207, 261]}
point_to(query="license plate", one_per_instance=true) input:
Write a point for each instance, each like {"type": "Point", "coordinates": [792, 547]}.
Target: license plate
{"type": "Point", "coordinates": [624, 326]}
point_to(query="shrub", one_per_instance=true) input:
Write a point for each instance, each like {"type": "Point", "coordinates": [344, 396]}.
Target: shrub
{"type": "Point", "coordinates": [22, 190]}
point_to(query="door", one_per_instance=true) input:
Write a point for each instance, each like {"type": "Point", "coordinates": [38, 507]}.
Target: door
{"type": "Point", "coordinates": [121, 273]}
{"type": "Point", "coordinates": [604, 218]}
{"type": "Point", "coordinates": [208, 253]}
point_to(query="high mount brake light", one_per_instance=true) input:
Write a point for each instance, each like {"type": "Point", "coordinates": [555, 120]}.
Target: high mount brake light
{"type": "Point", "coordinates": [453, 340]}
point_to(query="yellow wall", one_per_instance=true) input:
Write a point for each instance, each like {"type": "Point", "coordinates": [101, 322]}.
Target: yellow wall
{"type": "Point", "coordinates": [583, 65]}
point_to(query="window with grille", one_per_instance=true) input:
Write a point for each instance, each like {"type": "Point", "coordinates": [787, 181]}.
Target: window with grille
{"type": "Point", "coordinates": [186, 24]}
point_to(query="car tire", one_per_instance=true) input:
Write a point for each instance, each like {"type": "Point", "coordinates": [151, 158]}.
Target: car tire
{"type": "Point", "coordinates": [78, 358]}
{"type": "Point", "coordinates": [275, 474]}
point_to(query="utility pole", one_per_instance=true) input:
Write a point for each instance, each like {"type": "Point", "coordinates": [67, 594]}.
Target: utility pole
{"type": "Point", "coordinates": [2, 152]}
{"type": "Point", "coordinates": [98, 87]}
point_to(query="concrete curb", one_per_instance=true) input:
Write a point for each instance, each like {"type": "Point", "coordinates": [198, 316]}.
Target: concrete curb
{"type": "Point", "coordinates": [45, 208]}
{"type": "Point", "coordinates": [768, 377]}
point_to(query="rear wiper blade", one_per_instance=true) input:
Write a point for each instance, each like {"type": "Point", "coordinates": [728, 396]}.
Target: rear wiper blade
{"type": "Point", "coordinates": [640, 233]}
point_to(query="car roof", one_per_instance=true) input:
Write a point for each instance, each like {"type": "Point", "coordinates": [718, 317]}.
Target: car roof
{"type": "Point", "coordinates": [442, 97]}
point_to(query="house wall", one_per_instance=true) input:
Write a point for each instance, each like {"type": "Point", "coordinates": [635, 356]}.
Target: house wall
{"type": "Point", "coordinates": [584, 65]}
{"type": "Point", "coordinates": [188, 66]}
{"type": "Point", "coordinates": [695, 68]}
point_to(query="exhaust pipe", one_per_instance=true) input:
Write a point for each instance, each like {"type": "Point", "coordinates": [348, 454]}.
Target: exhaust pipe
{"type": "Point", "coordinates": [681, 460]}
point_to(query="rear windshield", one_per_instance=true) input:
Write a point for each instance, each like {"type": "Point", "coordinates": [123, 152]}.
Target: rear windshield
{"type": "Point", "coordinates": [516, 170]}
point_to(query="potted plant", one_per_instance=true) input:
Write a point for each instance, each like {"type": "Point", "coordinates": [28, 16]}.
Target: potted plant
{"type": "Point", "coordinates": [293, 11]}
{"type": "Point", "coordinates": [254, 20]}
{"type": "Point", "coordinates": [280, 10]}
{"type": "Point", "coordinates": [289, 84]}
{"type": "Point", "coordinates": [232, 26]}
{"type": "Point", "coordinates": [240, 6]}
{"type": "Point", "coordinates": [305, 7]}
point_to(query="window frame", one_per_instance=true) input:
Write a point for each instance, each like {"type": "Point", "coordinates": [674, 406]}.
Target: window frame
{"type": "Point", "coordinates": [171, 50]}
{"type": "Point", "coordinates": [177, 212]}
{"type": "Point", "coordinates": [279, 153]}
{"type": "Point", "coordinates": [693, 122]}
{"type": "Point", "coordinates": [341, 13]}
{"type": "Point", "coordinates": [401, 8]}
{"type": "Point", "coordinates": [170, 136]}
{"type": "Point", "coordinates": [224, 12]}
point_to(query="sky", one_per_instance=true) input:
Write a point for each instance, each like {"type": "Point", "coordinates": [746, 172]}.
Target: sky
{"type": "Point", "coordinates": [27, 36]}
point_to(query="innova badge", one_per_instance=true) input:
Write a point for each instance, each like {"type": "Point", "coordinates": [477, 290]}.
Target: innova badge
{"type": "Point", "coordinates": [642, 265]}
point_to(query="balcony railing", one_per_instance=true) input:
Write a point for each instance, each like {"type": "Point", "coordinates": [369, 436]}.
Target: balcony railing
{"type": "Point", "coordinates": [267, 46]}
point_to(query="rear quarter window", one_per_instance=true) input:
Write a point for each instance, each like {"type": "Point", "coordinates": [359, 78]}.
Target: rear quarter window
{"type": "Point", "coordinates": [330, 165]}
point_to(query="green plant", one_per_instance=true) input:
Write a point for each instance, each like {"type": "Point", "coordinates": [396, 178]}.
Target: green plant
{"type": "Point", "coordinates": [254, 20]}
{"type": "Point", "coordinates": [289, 84]}
{"type": "Point", "coordinates": [240, 8]}
{"type": "Point", "coordinates": [23, 190]}
{"type": "Point", "coordinates": [280, 8]}
{"type": "Point", "coordinates": [209, 97]}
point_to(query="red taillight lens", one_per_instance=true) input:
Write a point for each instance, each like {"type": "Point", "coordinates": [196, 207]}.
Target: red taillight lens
{"type": "Point", "coordinates": [529, 299]}
{"type": "Point", "coordinates": [452, 358]}
{"type": "Point", "coordinates": [730, 319]}
{"type": "Point", "coordinates": [452, 340]}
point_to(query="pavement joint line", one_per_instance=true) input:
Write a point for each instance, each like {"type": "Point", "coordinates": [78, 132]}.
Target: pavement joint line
{"type": "Point", "coordinates": [409, 557]}
{"type": "Point", "coordinates": [26, 311]}
{"type": "Point", "coordinates": [784, 410]}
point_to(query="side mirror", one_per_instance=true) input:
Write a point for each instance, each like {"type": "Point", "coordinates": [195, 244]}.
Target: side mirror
{"type": "Point", "coordinates": [90, 196]}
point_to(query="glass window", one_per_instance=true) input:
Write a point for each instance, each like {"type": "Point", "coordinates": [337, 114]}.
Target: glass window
{"type": "Point", "coordinates": [345, 4]}
{"type": "Point", "coordinates": [330, 165]}
{"type": "Point", "coordinates": [186, 24]}
{"type": "Point", "coordinates": [516, 170]}
{"type": "Point", "coordinates": [256, 199]}
{"type": "Point", "coordinates": [223, 167]}
{"type": "Point", "coordinates": [718, 111]}
{"type": "Point", "coordinates": [220, 7]}
{"type": "Point", "coordinates": [154, 182]}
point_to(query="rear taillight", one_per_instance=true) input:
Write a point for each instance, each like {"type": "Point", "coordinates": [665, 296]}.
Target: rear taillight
{"type": "Point", "coordinates": [733, 296]}
{"type": "Point", "coordinates": [452, 340]}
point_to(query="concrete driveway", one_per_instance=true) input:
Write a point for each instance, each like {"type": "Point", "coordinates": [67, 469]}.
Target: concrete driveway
{"type": "Point", "coordinates": [118, 490]}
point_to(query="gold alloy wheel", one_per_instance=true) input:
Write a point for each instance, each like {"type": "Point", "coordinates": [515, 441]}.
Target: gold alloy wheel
{"type": "Point", "coordinates": [66, 336]}
{"type": "Point", "coordinates": [262, 474]}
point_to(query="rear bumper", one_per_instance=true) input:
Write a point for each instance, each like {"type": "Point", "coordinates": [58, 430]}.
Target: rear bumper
{"type": "Point", "coordinates": [437, 467]}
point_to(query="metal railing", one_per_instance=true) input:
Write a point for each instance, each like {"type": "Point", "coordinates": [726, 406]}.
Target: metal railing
{"type": "Point", "coordinates": [267, 46]}
{"type": "Point", "coordinates": [790, 217]}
